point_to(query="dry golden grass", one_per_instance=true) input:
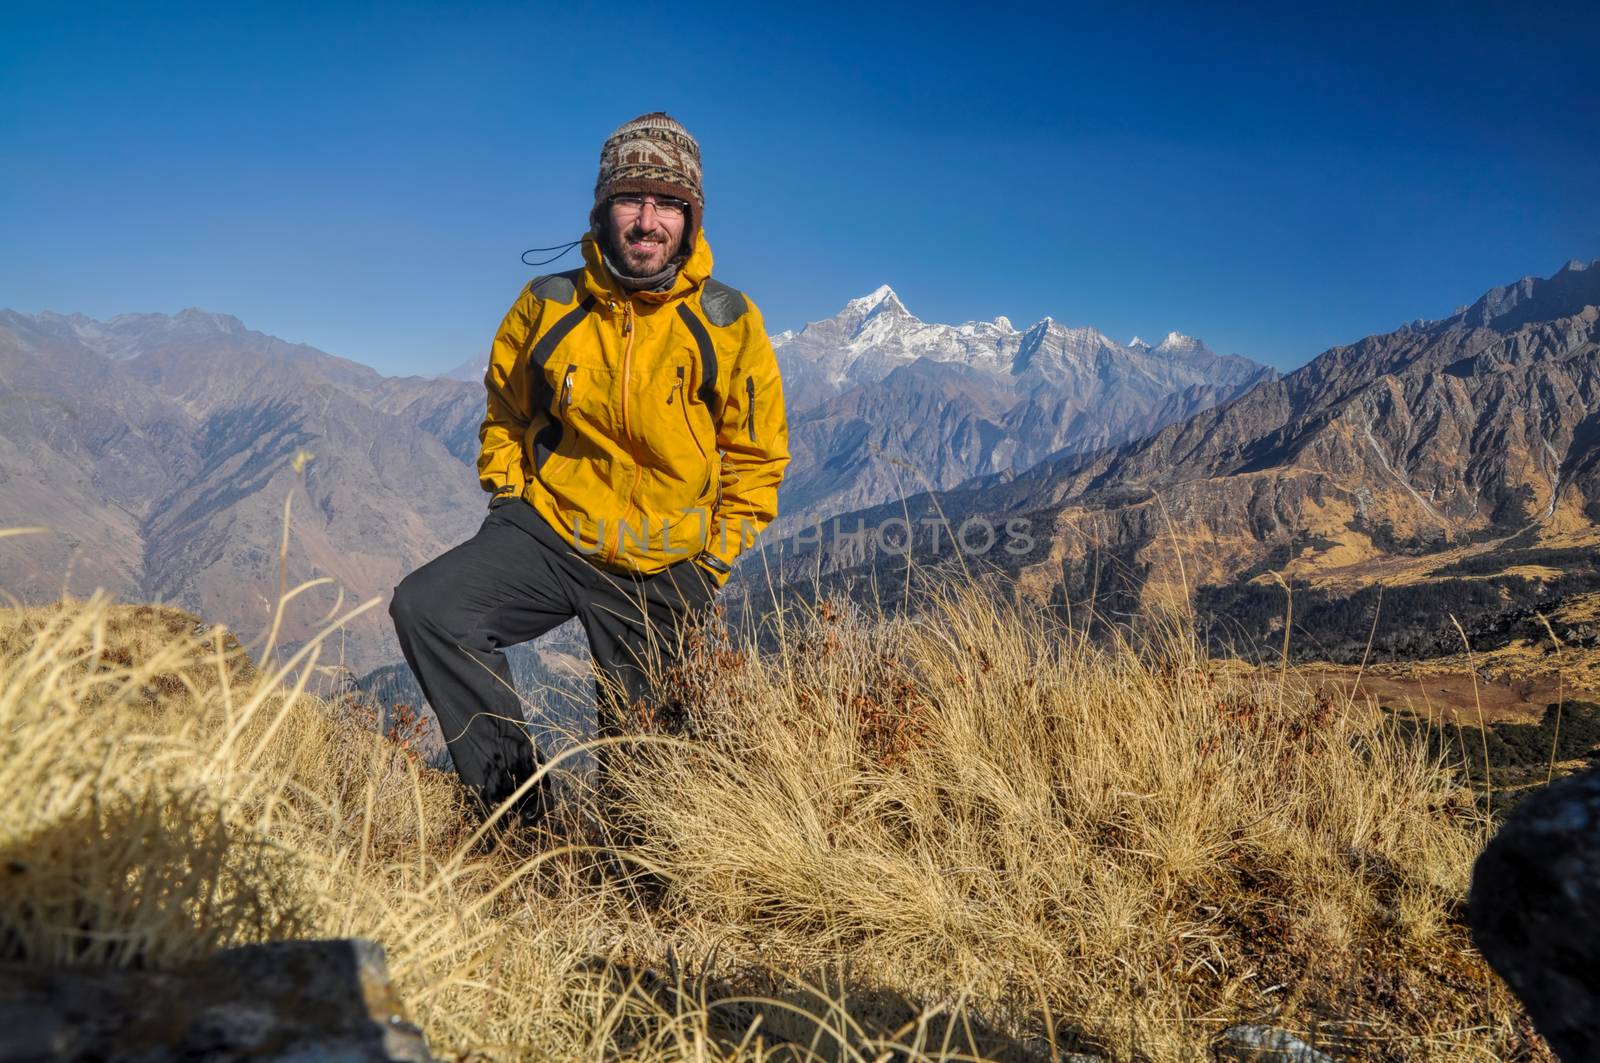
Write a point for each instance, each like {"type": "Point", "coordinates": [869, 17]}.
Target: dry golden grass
{"type": "Point", "coordinates": [965, 833]}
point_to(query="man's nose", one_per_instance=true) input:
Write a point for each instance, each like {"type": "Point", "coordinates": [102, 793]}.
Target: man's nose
{"type": "Point", "coordinates": [648, 219]}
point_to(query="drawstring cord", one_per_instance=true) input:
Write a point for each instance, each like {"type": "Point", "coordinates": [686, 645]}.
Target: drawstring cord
{"type": "Point", "coordinates": [559, 249]}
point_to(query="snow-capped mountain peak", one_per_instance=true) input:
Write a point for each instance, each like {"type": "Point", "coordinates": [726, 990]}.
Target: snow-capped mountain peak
{"type": "Point", "coordinates": [1176, 343]}
{"type": "Point", "coordinates": [875, 334]}
{"type": "Point", "coordinates": [880, 298]}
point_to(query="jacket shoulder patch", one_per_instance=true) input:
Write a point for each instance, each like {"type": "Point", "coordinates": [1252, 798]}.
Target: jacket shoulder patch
{"type": "Point", "coordinates": [556, 287]}
{"type": "Point", "coordinates": [722, 305]}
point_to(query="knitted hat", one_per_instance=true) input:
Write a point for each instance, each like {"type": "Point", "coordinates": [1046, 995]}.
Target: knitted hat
{"type": "Point", "coordinates": [651, 155]}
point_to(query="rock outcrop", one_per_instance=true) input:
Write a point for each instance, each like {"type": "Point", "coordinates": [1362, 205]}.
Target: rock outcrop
{"type": "Point", "coordinates": [1535, 912]}
{"type": "Point", "coordinates": [296, 1000]}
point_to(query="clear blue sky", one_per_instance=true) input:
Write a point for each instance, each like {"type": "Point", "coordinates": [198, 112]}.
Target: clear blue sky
{"type": "Point", "coordinates": [363, 178]}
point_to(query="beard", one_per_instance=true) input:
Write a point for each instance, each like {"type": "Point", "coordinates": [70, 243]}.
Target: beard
{"type": "Point", "coordinates": [646, 261]}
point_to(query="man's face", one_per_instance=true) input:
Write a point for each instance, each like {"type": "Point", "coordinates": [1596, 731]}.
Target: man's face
{"type": "Point", "coordinates": [643, 238]}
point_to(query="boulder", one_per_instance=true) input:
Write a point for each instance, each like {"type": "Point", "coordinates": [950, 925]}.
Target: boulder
{"type": "Point", "coordinates": [295, 1000]}
{"type": "Point", "coordinates": [1535, 911]}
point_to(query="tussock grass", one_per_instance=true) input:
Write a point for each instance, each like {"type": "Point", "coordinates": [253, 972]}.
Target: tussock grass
{"type": "Point", "coordinates": [963, 833]}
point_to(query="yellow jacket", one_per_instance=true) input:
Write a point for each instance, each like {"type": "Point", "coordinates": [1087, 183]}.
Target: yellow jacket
{"type": "Point", "coordinates": [645, 427]}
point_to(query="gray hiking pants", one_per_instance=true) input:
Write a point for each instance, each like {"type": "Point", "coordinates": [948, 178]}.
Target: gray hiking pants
{"type": "Point", "coordinates": [512, 581]}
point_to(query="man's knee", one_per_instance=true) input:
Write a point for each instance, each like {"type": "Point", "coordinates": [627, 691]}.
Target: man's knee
{"type": "Point", "coordinates": [417, 599]}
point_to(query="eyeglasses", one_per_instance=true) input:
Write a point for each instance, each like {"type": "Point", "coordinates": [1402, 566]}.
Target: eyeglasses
{"type": "Point", "coordinates": [666, 206]}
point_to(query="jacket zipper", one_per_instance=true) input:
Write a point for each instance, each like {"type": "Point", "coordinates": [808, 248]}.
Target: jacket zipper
{"type": "Point", "coordinates": [615, 547]}
{"type": "Point", "coordinates": [566, 389]}
{"type": "Point", "coordinates": [750, 405]}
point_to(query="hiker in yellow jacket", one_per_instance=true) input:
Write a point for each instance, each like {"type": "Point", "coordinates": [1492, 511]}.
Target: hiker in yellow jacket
{"type": "Point", "coordinates": [633, 443]}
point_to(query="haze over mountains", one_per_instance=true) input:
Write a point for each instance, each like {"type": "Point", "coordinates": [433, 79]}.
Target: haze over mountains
{"type": "Point", "coordinates": [160, 449]}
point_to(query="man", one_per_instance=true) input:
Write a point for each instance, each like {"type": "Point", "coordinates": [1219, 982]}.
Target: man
{"type": "Point", "coordinates": [633, 444]}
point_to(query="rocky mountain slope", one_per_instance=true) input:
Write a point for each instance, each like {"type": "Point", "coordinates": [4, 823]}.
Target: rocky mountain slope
{"type": "Point", "coordinates": [159, 451]}
{"type": "Point", "coordinates": [1456, 453]}
{"type": "Point", "coordinates": [882, 404]}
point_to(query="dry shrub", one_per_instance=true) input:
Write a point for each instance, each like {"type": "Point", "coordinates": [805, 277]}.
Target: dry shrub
{"type": "Point", "coordinates": [109, 857]}
{"type": "Point", "coordinates": [1125, 841]}
{"type": "Point", "coordinates": [878, 834]}
{"type": "Point", "coordinates": [157, 819]}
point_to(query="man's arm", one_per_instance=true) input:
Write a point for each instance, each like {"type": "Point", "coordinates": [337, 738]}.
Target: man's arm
{"type": "Point", "coordinates": [753, 436]}
{"type": "Point", "coordinates": [508, 407]}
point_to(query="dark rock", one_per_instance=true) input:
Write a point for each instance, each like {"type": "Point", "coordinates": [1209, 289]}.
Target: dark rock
{"type": "Point", "coordinates": [299, 1000]}
{"type": "Point", "coordinates": [1266, 1044]}
{"type": "Point", "coordinates": [1535, 912]}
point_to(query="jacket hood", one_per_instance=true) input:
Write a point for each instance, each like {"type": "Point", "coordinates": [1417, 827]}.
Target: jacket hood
{"type": "Point", "coordinates": [599, 282]}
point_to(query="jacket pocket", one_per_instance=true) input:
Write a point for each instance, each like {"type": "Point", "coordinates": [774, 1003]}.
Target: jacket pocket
{"type": "Point", "coordinates": [679, 396]}
{"type": "Point", "coordinates": [546, 443]}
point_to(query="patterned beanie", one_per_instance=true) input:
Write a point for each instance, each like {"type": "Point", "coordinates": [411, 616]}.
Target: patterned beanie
{"type": "Point", "coordinates": [651, 155]}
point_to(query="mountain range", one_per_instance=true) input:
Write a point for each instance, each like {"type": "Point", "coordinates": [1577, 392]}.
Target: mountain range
{"type": "Point", "coordinates": [1450, 465]}
{"type": "Point", "coordinates": [882, 404]}
{"type": "Point", "coordinates": [1447, 466]}
{"type": "Point", "coordinates": [161, 451]}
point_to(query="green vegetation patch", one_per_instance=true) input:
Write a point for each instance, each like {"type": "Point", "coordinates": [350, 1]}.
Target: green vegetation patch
{"type": "Point", "coordinates": [1520, 757]}
{"type": "Point", "coordinates": [1572, 562]}
{"type": "Point", "coordinates": [1378, 623]}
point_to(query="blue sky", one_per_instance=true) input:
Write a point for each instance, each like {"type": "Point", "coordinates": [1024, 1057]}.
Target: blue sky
{"type": "Point", "coordinates": [1272, 178]}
